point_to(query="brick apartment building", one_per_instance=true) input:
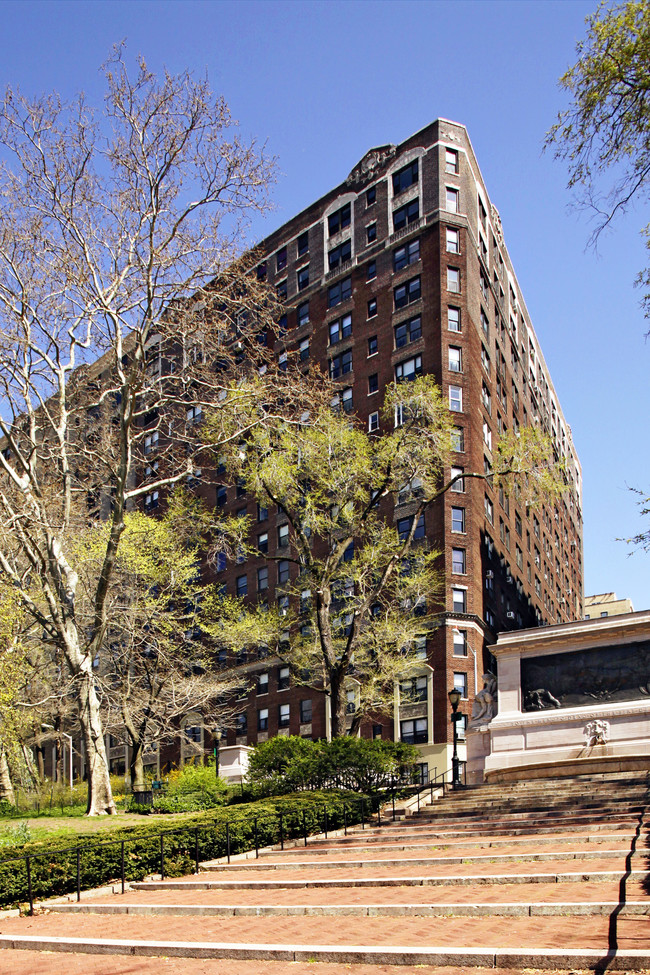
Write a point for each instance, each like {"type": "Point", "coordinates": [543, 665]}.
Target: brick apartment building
{"type": "Point", "coordinates": [402, 269]}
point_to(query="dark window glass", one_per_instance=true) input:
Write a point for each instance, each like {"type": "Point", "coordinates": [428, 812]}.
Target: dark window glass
{"type": "Point", "coordinates": [339, 292]}
{"type": "Point", "coordinates": [222, 496]}
{"type": "Point", "coordinates": [305, 712]}
{"type": "Point", "coordinates": [371, 271]}
{"type": "Point", "coordinates": [281, 290]}
{"type": "Point", "coordinates": [372, 308]}
{"type": "Point", "coordinates": [340, 365]}
{"type": "Point", "coordinates": [371, 233]}
{"type": "Point", "coordinates": [303, 243]}
{"type": "Point", "coordinates": [340, 329]}
{"type": "Point", "coordinates": [339, 220]}
{"type": "Point", "coordinates": [405, 294]}
{"type": "Point", "coordinates": [303, 278]}
{"type": "Point", "coordinates": [303, 314]}
{"type": "Point", "coordinates": [283, 570]}
{"type": "Point", "coordinates": [409, 331]}
{"type": "Point", "coordinates": [242, 585]}
{"type": "Point", "coordinates": [408, 254]}
{"type": "Point", "coordinates": [261, 271]}
{"type": "Point", "coordinates": [281, 259]}
{"type": "Point", "coordinates": [405, 177]}
{"type": "Point", "coordinates": [373, 383]}
{"type": "Point", "coordinates": [340, 255]}
{"type": "Point", "coordinates": [371, 196]}
{"type": "Point", "coordinates": [406, 215]}
{"type": "Point", "coordinates": [373, 346]}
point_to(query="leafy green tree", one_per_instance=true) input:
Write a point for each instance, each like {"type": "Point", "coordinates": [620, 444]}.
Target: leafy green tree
{"type": "Point", "coordinates": [363, 588]}
{"type": "Point", "coordinates": [604, 133]}
{"type": "Point", "coordinates": [120, 280]}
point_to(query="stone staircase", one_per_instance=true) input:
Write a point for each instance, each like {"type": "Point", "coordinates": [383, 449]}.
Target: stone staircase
{"type": "Point", "coordinates": [543, 875]}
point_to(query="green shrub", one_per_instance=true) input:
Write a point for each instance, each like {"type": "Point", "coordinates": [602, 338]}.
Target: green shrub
{"type": "Point", "coordinates": [286, 764]}
{"type": "Point", "coordinates": [53, 869]}
{"type": "Point", "coordinates": [197, 779]}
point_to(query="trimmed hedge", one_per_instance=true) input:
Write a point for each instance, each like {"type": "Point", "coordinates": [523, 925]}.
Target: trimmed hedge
{"type": "Point", "coordinates": [54, 869]}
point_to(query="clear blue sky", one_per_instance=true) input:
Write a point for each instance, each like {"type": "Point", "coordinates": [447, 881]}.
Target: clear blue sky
{"type": "Point", "coordinates": [322, 82]}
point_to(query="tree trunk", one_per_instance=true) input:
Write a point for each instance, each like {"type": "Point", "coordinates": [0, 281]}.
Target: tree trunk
{"type": "Point", "coordinates": [28, 758]}
{"type": "Point", "coordinates": [136, 767]}
{"type": "Point", "coordinates": [338, 703]}
{"type": "Point", "coordinates": [6, 787]}
{"type": "Point", "coordinates": [100, 796]}
{"type": "Point", "coordinates": [40, 761]}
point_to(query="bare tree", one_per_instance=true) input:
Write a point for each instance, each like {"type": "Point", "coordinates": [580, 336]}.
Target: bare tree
{"type": "Point", "coordinates": [120, 294]}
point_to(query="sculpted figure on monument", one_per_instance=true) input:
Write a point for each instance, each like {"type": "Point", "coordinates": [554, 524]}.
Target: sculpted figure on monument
{"type": "Point", "coordinates": [485, 702]}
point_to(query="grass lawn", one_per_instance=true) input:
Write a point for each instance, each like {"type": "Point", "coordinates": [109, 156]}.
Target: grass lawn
{"type": "Point", "coordinates": [68, 828]}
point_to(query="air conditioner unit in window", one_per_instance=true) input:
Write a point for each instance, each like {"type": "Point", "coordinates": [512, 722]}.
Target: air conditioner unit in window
{"type": "Point", "coordinates": [508, 577]}
{"type": "Point", "coordinates": [510, 614]}
{"type": "Point", "coordinates": [489, 574]}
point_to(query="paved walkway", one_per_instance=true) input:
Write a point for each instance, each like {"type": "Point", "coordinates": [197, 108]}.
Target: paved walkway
{"type": "Point", "coordinates": [382, 901]}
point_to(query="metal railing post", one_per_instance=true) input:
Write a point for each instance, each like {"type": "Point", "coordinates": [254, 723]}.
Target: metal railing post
{"type": "Point", "coordinates": [122, 864]}
{"type": "Point", "coordinates": [162, 856]}
{"type": "Point", "coordinates": [228, 839]}
{"type": "Point", "coordinates": [281, 833]}
{"type": "Point", "coordinates": [363, 818]}
{"type": "Point", "coordinates": [393, 798]}
{"type": "Point", "coordinates": [325, 811]}
{"type": "Point", "coordinates": [304, 826]}
{"type": "Point", "coordinates": [257, 842]}
{"type": "Point", "coordinates": [78, 874]}
{"type": "Point", "coordinates": [29, 884]}
{"type": "Point", "coordinates": [345, 820]}
{"type": "Point", "coordinates": [196, 850]}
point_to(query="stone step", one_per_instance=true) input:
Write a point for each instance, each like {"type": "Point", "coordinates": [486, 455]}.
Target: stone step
{"type": "Point", "coordinates": [266, 863]}
{"type": "Point", "coordinates": [490, 909]}
{"type": "Point", "coordinates": [595, 876]}
{"type": "Point", "coordinates": [521, 958]}
{"type": "Point", "coordinates": [374, 834]}
{"type": "Point", "coordinates": [323, 847]}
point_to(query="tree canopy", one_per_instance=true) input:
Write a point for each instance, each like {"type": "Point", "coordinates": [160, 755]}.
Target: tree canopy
{"type": "Point", "coordinates": [604, 133]}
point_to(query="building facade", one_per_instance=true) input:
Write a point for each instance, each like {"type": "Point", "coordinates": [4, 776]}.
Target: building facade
{"type": "Point", "coordinates": [400, 270]}
{"type": "Point", "coordinates": [606, 604]}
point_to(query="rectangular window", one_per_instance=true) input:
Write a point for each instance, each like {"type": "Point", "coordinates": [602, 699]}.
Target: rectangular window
{"type": "Point", "coordinates": [341, 364]}
{"type": "Point", "coordinates": [404, 527]}
{"type": "Point", "coordinates": [305, 711]}
{"type": "Point", "coordinates": [283, 571]}
{"type": "Point", "coordinates": [460, 683]}
{"type": "Point", "coordinates": [414, 732]}
{"type": "Point", "coordinates": [405, 177]}
{"type": "Point", "coordinates": [262, 719]}
{"type": "Point", "coordinates": [241, 725]}
{"type": "Point", "coordinates": [453, 319]}
{"type": "Point", "coordinates": [460, 643]}
{"type": "Point", "coordinates": [303, 350]}
{"type": "Point", "coordinates": [414, 690]}
{"type": "Point", "coordinates": [262, 579]}
{"type": "Point", "coordinates": [452, 199]}
{"type": "Point", "coordinates": [263, 542]}
{"type": "Point", "coordinates": [340, 329]}
{"type": "Point", "coordinates": [262, 512]}
{"type": "Point", "coordinates": [283, 536]}
{"type": "Point", "coordinates": [489, 509]}
{"type": "Point", "coordinates": [151, 442]}
{"type": "Point", "coordinates": [303, 278]}
{"type": "Point", "coordinates": [451, 161]}
{"type": "Point", "coordinates": [453, 279]}
{"type": "Point", "coordinates": [284, 716]}
{"type": "Point", "coordinates": [458, 486]}
{"type": "Point", "coordinates": [373, 347]}
{"type": "Point", "coordinates": [281, 259]}
{"type": "Point", "coordinates": [261, 271]}
{"type": "Point", "coordinates": [371, 271]}
{"type": "Point", "coordinates": [371, 233]}
{"type": "Point", "coordinates": [458, 561]}
{"type": "Point", "coordinates": [456, 399]}
{"type": "Point", "coordinates": [339, 220]}
{"type": "Point", "coordinates": [263, 683]}
{"type": "Point", "coordinates": [405, 294]}
{"type": "Point", "coordinates": [339, 292]}
{"type": "Point", "coordinates": [407, 254]}
{"type": "Point", "coordinates": [284, 678]}
{"type": "Point", "coordinates": [459, 600]}
{"type": "Point", "coordinates": [453, 240]}
{"type": "Point", "coordinates": [408, 331]}
{"type": "Point", "coordinates": [351, 701]}
{"type": "Point", "coordinates": [340, 255]}
{"type": "Point", "coordinates": [242, 585]}
{"type": "Point", "coordinates": [303, 314]}
{"type": "Point", "coordinates": [283, 362]}
{"type": "Point", "coordinates": [151, 501]}
{"type": "Point", "coordinates": [373, 422]}
{"type": "Point", "coordinates": [371, 196]}
{"type": "Point", "coordinates": [455, 359]}
{"type": "Point", "coordinates": [458, 519]}
{"type": "Point", "coordinates": [487, 436]}
{"type": "Point", "coordinates": [343, 399]}
{"type": "Point", "coordinates": [303, 243]}
{"type": "Point", "coordinates": [458, 440]}
{"type": "Point", "coordinates": [372, 308]}
{"type": "Point", "coordinates": [373, 383]}
{"type": "Point", "coordinates": [409, 369]}
{"type": "Point", "coordinates": [406, 215]}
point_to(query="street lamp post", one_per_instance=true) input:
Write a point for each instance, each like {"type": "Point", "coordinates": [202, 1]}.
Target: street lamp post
{"type": "Point", "coordinates": [454, 699]}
